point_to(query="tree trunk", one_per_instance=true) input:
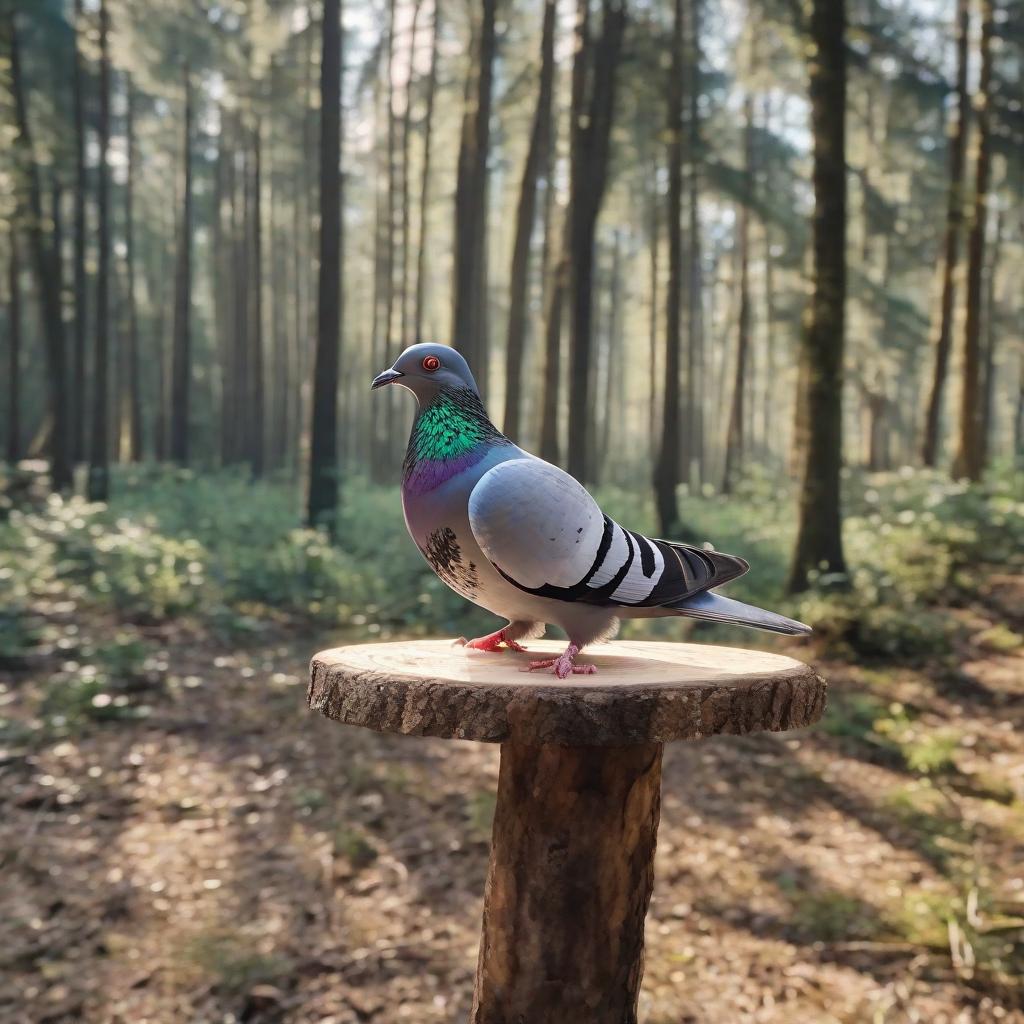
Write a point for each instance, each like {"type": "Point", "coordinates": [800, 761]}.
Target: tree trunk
{"type": "Point", "coordinates": [323, 472]}
{"type": "Point", "coordinates": [614, 375]}
{"type": "Point", "coordinates": [240, 216]}
{"type": "Point", "coordinates": [569, 882]}
{"type": "Point", "coordinates": [223, 200]}
{"type": "Point", "coordinates": [969, 462]}
{"type": "Point", "coordinates": [1018, 418]}
{"type": "Point", "coordinates": [951, 243]}
{"type": "Point", "coordinates": [819, 531]}
{"type": "Point", "coordinates": [594, 80]}
{"type": "Point", "coordinates": [390, 349]}
{"type": "Point", "coordinates": [666, 473]}
{"type": "Point", "coordinates": [769, 397]}
{"type": "Point", "coordinates": [695, 340]}
{"type": "Point", "coordinates": [428, 128]}
{"type": "Point", "coordinates": [403, 275]}
{"type": "Point", "coordinates": [78, 382]}
{"type": "Point", "coordinates": [45, 259]}
{"type": "Point", "coordinates": [526, 211]}
{"type": "Point", "coordinates": [161, 286]}
{"type": "Point", "coordinates": [988, 387]}
{"type": "Point", "coordinates": [134, 383]}
{"type": "Point", "coordinates": [256, 441]}
{"type": "Point", "coordinates": [551, 384]}
{"type": "Point", "coordinates": [469, 298]}
{"type": "Point", "coordinates": [653, 270]}
{"type": "Point", "coordinates": [13, 446]}
{"type": "Point", "coordinates": [380, 341]}
{"type": "Point", "coordinates": [734, 441]}
{"type": "Point", "coordinates": [181, 353]}
{"type": "Point", "coordinates": [99, 453]}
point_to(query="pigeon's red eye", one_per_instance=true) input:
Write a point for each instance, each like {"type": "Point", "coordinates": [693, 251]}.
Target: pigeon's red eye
{"type": "Point", "coordinates": [431, 363]}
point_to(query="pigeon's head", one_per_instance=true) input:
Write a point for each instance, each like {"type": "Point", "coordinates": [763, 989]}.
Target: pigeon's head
{"type": "Point", "coordinates": [426, 368]}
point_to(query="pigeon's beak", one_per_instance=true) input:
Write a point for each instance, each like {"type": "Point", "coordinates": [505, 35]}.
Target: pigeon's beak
{"type": "Point", "coordinates": [387, 377]}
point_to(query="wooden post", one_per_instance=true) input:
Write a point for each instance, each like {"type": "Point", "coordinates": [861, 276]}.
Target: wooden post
{"type": "Point", "coordinates": [579, 792]}
{"type": "Point", "coordinates": [571, 875]}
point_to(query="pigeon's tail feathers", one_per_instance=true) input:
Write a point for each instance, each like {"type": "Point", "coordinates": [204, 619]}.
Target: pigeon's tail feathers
{"type": "Point", "coordinates": [715, 608]}
{"type": "Point", "coordinates": [717, 569]}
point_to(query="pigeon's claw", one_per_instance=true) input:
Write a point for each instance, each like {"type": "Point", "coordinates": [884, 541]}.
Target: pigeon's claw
{"type": "Point", "coordinates": [492, 643]}
{"type": "Point", "coordinates": [564, 665]}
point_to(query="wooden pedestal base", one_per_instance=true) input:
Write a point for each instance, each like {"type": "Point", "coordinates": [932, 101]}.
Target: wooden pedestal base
{"type": "Point", "coordinates": [570, 878]}
{"type": "Point", "coordinates": [579, 792]}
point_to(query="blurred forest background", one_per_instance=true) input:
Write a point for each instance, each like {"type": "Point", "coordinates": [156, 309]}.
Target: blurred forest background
{"type": "Point", "coordinates": [749, 268]}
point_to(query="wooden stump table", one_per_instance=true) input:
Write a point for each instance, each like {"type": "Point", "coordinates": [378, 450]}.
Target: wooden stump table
{"type": "Point", "coordinates": [579, 791]}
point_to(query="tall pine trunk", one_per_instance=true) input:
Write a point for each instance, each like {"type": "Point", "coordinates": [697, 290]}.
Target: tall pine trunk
{"type": "Point", "coordinates": [734, 442]}
{"type": "Point", "coordinates": [428, 130]}
{"type": "Point", "coordinates": [819, 543]}
{"type": "Point", "coordinates": [951, 242]}
{"type": "Point", "coordinates": [594, 80]}
{"type": "Point", "coordinates": [988, 387]}
{"type": "Point", "coordinates": [666, 472]}
{"type": "Point", "coordinates": [390, 197]}
{"type": "Point", "coordinates": [45, 262]}
{"type": "Point", "coordinates": [469, 298]}
{"type": "Point", "coordinates": [181, 350]}
{"type": "Point", "coordinates": [969, 457]}
{"type": "Point", "coordinates": [403, 270]}
{"type": "Point", "coordinates": [653, 273]}
{"type": "Point", "coordinates": [558, 279]}
{"type": "Point", "coordinates": [323, 470]}
{"type": "Point", "coordinates": [526, 215]}
{"type": "Point", "coordinates": [256, 398]}
{"type": "Point", "coordinates": [695, 289]}
{"type": "Point", "coordinates": [78, 381]}
{"type": "Point", "coordinates": [134, 398]}
{"type": "Point", "coordinates": [99, 452]}
{"type": "Point", "coordinates": [223, 197]}
{"type": "Point", "coordinates": [12, 448]}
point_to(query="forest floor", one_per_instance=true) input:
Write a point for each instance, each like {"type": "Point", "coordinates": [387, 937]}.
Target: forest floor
{"type": "Point", "coordinates": [231, 856]}
{"type": "Point", "coordinates": [183, 842]}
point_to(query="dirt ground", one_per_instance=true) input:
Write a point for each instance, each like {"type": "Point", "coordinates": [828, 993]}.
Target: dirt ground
{"type": "Point", "coordinates": [232, 857]}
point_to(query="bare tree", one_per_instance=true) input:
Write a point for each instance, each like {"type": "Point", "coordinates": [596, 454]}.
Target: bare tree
{"type": "Point", "coordinates": [428, 129]}
{"type": "Point", "coordinates": [45, 262]}
{"type": "Point", "coordinates": [819, 544]}
{"type": "Point", "coordinates": [78, 382]}
{"type": "Point", "coordinates": [181, 351]}
{"type": "Point", "coordinates": [256, 398]}
{"type": "Point", "coordinates": [323, 470]}
{"type": "Point", "coordinates": [594, 79]}
{"type": "Point", "coordinates": [969, 461]}
{"type": "Point", "coordinates": [99, 450]}
{"type": "Point", "coordinates": [469, 296]}
{"type": "Point", "coordinates": [737, 417]}
{"type": "Point", "coordinates": [526, 215]}
{"type": "Point", "coordinates": [666, 472]}
{"type": "Point", "coordinates": [13, 446]}
{"type": "Point", "coordinates": [951, 242]}
{"type": "Point", "coordinates": [132, 392]}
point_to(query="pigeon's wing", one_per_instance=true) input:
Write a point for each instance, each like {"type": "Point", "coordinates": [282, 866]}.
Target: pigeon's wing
{"type": "Point", "coordinates": [545, 534]}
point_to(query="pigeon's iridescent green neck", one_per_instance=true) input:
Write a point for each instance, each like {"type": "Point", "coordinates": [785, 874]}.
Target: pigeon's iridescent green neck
{"type": "Point", "coordinates": [449, 435]}
{"type": "Point", "coordinates": [448, 428]}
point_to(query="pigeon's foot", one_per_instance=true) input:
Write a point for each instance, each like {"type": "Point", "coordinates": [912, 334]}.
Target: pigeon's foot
{"type": "Point", "coordinates": [492, 643]}
{"type": "Point", "coordinates": [564, 665]}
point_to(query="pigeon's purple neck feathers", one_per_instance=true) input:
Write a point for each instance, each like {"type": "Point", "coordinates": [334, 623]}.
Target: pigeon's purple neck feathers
{"type": "Point", "coordinates": [449, 435]}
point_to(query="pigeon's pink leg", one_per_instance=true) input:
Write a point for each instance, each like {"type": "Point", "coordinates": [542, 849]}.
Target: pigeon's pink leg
{"type": "Point", "coordinates": [492, 642]}
{"type": "Point", "coordinates": [564, 665]}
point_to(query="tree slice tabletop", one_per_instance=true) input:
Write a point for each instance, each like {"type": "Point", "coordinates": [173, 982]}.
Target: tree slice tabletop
{"type": "Point", "coordinates": [642, 692]}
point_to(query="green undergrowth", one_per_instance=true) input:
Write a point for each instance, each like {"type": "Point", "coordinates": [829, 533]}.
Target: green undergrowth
{"type": "Point", "coordinates": [230, 552]}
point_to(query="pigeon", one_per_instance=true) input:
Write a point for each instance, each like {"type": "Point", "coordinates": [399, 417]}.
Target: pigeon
{"type": "Point", "coordinates": [525, 540]}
